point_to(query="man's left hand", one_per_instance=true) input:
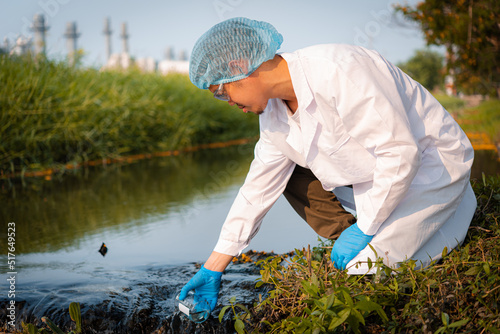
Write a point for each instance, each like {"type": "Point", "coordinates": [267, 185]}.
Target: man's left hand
{"type": "Point", "coordinates": [348, 245]}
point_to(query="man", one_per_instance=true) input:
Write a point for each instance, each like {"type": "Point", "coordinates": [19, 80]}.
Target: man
{"type": "Point", "coordinates": [333, 116]}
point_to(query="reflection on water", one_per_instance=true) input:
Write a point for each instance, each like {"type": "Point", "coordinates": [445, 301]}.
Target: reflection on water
{"type": "Point", "coordinates": [60, 214]}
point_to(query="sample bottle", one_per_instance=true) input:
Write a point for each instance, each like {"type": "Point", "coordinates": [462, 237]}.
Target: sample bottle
{"type": "Point", "coordinates": [195, 311]}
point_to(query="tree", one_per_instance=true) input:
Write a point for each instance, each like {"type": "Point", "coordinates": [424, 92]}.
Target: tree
{"type": "Point", "coordinates": [425, 67]}
{"type": "Point", "coordinates": [470, 31]}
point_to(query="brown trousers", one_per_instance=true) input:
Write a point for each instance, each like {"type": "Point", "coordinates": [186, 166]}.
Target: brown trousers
{"type": "Point", "coordinates": [319, 208]}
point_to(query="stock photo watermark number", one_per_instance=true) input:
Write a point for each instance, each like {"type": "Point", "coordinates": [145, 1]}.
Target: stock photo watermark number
{"type": "Point", "coordinates": [12, 273]}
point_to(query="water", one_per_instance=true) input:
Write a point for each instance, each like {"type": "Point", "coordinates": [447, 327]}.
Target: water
{"type": "Point", "coordinates": [157, 217]}
{"type": "Point", "coordinates": [487, 162]}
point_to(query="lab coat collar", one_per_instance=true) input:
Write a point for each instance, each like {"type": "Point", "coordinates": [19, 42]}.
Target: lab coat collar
{"type": "Point", "coordinates": [306, 105]}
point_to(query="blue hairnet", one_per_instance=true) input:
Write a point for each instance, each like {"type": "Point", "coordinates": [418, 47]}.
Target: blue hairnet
{"type": "Point", "coordinates": [232, 50]}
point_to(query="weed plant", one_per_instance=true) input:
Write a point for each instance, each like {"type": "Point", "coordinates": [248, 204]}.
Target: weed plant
{"type": "Point", "coordinates": [54, 114]}
{"type": "Point", "coordinates": [460, 293]}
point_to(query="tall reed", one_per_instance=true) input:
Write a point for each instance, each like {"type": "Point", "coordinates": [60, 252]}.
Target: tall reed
{"type": "Point", "coordinates": [51, 113]}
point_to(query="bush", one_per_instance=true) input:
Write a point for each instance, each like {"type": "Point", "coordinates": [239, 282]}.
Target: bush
{"type": "Point", "coordinates": [51, 113]}
{"type": "Point", "coordinates": [460, 292]}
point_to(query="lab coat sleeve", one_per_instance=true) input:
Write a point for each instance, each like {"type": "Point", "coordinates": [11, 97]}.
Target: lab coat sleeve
{"type": "Point", "coordinates": [372, 108]}
{"type": "Point", "coordinates": [265, 182]}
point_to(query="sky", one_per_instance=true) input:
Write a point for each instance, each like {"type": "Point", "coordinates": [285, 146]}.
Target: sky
{"type": "Point", "coordinates": [155, 25]}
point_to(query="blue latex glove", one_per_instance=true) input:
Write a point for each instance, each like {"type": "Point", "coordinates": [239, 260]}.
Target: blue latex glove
{"type": "Point", "coordinates": [206, 285]}
{"type": "Point", "coordinates": [348, 245]}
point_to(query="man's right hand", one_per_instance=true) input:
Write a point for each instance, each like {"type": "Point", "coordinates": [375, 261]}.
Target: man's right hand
{"type": "Point", "coordinates": [206, 285]}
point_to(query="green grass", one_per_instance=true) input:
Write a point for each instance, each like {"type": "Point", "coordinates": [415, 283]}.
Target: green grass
{"type": "Point", "coordinates": [460, 293]}
{"type": "Point", "coordinates": [483, 118]}
{"type": "Point", "coordinates": [53, 114]}
{"type": "Point", "coordinates": [450, 103]}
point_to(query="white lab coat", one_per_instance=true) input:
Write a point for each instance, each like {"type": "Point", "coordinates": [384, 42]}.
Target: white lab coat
{"type": "Point", "coordinates": [361, 121]}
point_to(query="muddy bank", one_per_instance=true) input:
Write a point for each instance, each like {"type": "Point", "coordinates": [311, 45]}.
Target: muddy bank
{"type": "Point", "coordinates": [144, 305]}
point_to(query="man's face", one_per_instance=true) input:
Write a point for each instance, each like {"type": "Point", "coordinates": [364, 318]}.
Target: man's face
{"type": "Point", "coordinates": [246, 94]}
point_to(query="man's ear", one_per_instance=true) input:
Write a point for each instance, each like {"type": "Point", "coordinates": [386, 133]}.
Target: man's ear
{"type": "Point", "coordinates": [239, 66]}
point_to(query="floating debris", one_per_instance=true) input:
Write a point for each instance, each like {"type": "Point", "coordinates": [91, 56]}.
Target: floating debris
{"type": "Point", "coordinates": [103, 250]}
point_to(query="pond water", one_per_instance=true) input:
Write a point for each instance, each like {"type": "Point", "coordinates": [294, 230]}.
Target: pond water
{"type": "Point", "coordinates": [157, 217]}
{"type": "Point", "coordinates": [163, 210]}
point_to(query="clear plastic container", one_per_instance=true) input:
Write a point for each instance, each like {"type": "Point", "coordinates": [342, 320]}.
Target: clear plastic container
{"type": "Point", "coordinates": [196, 312]}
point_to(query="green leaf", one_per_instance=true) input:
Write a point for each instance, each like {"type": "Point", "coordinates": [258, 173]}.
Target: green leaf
{"type": "Point", "coordinates": [314, 281]}
{"type": "Point", "coordinates": [367, 305]}
{"type": "Point", "coordinates": [317, 313]}
{"type": "Point", "coordinates": [30, 328]}
{"type": "Point", "coordinates": [486, 268]}
{"type": "Point", "coordinates": [76, 315]}
{"type": "Point", "coordinates": [347, 298]}
{"type": "Point", "coordinates": [342, 316]}
{"type": "Point", "coordinates": [232, 300]}
{"type": "Point", "coordinates": [445, 252]}
{"type": "Point", "coordinates": [239, 326]}
{"type": "Point", "coordinates": [309, 288]}
{"type": "Point", "coordinates": [52, 326]}
{"type": "Point", "coordinates": [395, 285]}
{"type": "Point", "coordinates": [494, 330]}
{"type": "Point", "coordinates": [319, 304]}
{"type": "Point", "coordinates": [329, 300]}
{"type": "Point", "coordinates": [440, 330]}
{"type": "Point", "coordinates": [331, 313]}
{"type": "Point", "coordinates": [242, 307]}
{"type": "Point", "coordinates": [265, 275]}
{"type": "Point", "coordinates": [474, 270]}
{"type": "Point", "coordinates": [445, 318]}
{"type": "Point", "coordinates": [301, 328]}
{"type": "Point", "coordinates": [373, 250]}
{"type": "Point", "coordinates": [358, 316]}
{"type": "Point", "coordinates": [222, 312]}
{"type": "Point", "coordinates": [459, 323]}
{"type": "Point", "coordinates": [382, 315]}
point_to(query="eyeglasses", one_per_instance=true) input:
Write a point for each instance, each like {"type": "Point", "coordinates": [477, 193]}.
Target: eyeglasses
{"type": "Point", "coordinates": [220, 93]}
